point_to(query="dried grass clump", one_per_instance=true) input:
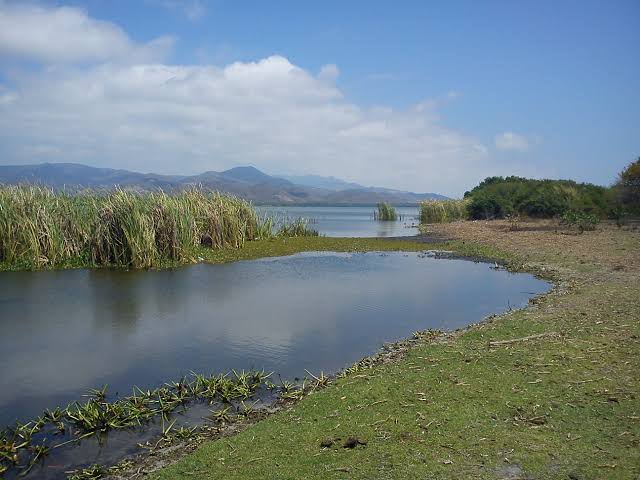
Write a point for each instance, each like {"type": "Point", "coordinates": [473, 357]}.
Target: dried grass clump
{"type": "Point", "coordinates": [442, 211]}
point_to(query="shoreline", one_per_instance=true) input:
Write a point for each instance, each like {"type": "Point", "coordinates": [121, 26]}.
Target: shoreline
{"type": "Point", "coordinates": [391, 352]}
{"type": "Point", "coordinates": [538, 393]}
{"type": "Point", "coordinates": [206, 430]}
{"type": "Point", "coordinates": [397, 355]}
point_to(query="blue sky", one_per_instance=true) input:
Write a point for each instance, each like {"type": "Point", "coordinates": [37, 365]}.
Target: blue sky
{"type": "Point", "coordinates": [429, 96]}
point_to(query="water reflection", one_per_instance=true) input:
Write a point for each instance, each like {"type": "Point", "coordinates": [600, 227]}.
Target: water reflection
{"type": "Point", "coordinates": [65, 332]}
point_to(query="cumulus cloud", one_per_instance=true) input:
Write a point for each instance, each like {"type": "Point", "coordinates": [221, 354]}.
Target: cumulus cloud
{"type": "Point", "coordinates": [152, 116]}
{"type": "Point", "coordinates": [269, 113]}
{"type": "Point", "coordinates": [512, 141]}
{"type": "Point", "coordinates": [68, 35]}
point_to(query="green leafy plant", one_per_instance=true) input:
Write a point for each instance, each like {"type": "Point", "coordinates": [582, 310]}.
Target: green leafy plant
{"type": "Point", "coordinates": [581, 220]}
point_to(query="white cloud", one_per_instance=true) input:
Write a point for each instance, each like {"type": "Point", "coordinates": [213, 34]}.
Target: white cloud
{"type": "Point", "coordinates": [152, 116]}
{"type": "Point", "coordinates": [329, 73]}
{"type": "Point", "coordinates": [512, 141]}
{"type": "Point", "coordinates": [68, 35]}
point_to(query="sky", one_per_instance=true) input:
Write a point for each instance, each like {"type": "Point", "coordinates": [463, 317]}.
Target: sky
{"type": "Point", "coordinates": [420, 96]}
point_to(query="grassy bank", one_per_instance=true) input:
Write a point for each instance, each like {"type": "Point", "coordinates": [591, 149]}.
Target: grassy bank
{"type": "Point", "coordinates": [40, 228]}
{"type": "Point", "coordinates": [546, 392]}
{"type": "Point", "coordinates": [277, 247]}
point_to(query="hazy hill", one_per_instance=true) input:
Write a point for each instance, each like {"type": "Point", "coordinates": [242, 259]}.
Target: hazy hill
{"type": "Point", "coordinates": [246, 182]}
{"type": "Point", "coordinates": [317, 181]}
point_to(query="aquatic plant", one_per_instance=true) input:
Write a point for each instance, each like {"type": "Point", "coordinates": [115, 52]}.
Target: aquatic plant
{"type": "Point", "coordinates": [39, 227]}
{"type": "Point", "coordinates": [296, 228]}
{"type": "Point", "coordinates": [442, 211]}
{"type": "Point", "coordinates": [221, 415]}
{"type": "Point", "coordinates": [99, 414]}
{"type": "Point", "coordinates": [93, 472]}
{"type": "Point", "coordinates": [42, 228]}
{"type": "Point", "coordinates": [385, 212]}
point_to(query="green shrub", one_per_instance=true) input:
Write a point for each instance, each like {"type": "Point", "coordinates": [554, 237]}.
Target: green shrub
{"type": "Point", "coordinates": [498, 197]}
{"type": "Point", "coordinates": [583, 221]}
{"type": "Point", "coordinates": [626, 191]}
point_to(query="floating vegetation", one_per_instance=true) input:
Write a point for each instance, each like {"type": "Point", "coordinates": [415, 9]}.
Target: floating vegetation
{"type": "Point", "coordinates": [385, 212]}
{"type": "Point", "coordinates": [442, 211]}
{"type": "Point", "coordinates": [98, 415]}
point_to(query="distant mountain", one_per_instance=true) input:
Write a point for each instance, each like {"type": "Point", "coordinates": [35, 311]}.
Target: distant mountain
{"type": "Point", "coordinates": [246, 182]}
{"type": "Point", "coordinates": [317, 181]}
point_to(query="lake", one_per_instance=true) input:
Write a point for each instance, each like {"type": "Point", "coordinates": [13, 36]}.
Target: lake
{"type": "Point", "coordinates": [349, 221]}
{"type": "Point", "coordinates": [65, 332]}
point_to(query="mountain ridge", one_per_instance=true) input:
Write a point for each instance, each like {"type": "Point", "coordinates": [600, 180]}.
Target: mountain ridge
{"type": "Point", "coordinates": [246, 181]}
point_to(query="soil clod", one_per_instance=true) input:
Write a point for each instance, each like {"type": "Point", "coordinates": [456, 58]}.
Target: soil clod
{"type": "Point", "coordinates": [353, 442]}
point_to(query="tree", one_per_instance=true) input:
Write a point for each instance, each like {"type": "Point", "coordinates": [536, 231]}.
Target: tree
{"type": "Point", "coordinates": [628, 186]}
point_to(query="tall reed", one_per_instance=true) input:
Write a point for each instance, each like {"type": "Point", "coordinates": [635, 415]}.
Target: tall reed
{"type": "Point", "coordinates": [40, 228]}
{"type": "Point", "coordinates": [442, 211]}
{"type": "Point", "coordinates": [385, 212]}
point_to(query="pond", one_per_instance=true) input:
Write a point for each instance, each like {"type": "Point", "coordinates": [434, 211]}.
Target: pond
{"type": "Point", "coordinates": [349, 221]}
{"type": "Point", "coordinates": [64, 332]}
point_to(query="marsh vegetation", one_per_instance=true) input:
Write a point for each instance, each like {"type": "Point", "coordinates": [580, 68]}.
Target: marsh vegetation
{"type": "Point", "coordinates": [442, 211]}
{"type": "Point", "coordinates": [40, 228]}
{"type": "Point", "coordinates": [385, 212]}
{"type": "Point", "coordinates": [25, 444]}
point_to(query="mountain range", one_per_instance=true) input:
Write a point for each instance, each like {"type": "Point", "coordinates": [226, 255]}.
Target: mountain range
{"type": "Point", "coordinates": [246, 182]}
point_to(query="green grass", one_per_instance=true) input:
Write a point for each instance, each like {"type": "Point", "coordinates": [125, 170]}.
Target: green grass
{"type": "Point", "coordinates": [441, 211]}
{"type": "Point", "coordinates": [561, 406]}
{"type": "Point", "coordinates": [277, 247]}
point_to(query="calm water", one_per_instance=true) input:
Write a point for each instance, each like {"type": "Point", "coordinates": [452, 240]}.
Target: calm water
{"type": "Point", "coordinates": [350, 221]}
{"type": "Point", "coordinates": [67, 331]}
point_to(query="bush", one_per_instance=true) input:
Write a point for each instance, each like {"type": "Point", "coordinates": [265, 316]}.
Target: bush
{"type": "Point", "coordinates": [627, 188]}
{"type": "Point", "coordinates": [487, 207]}
{"type": "Point", "coordinates": [498, 197]}
{"type": "Point", "coordinates": [583, 221]}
